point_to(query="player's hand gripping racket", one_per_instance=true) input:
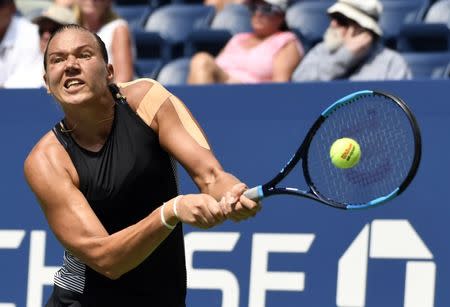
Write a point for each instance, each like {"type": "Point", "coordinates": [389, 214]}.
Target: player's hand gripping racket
{"type": "Point", "coordinates": [390, 143]}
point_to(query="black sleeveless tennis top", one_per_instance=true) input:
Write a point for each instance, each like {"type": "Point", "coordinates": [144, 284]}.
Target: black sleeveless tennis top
{"type": "Point", "coordinates": [124, 182]}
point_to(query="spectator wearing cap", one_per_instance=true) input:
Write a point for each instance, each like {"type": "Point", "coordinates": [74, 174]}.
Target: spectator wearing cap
{"type": "Point", "coordinates": [269, 53]}
{"type": "Point", "coordinates": [352, 48]}
{"type": "Point", "coordinates": [19, 46]}
{"type": "Point", "coordinates": [50, 21]}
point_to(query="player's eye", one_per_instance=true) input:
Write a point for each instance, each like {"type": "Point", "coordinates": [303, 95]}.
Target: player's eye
{"type": "Point", "coordinates": [56, 60]}
{"type": "Point", "coordinates": [85, 55]}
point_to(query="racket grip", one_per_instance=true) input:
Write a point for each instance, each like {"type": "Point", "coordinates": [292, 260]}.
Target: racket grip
{"type": "Point", "coordinates": [255, 193]}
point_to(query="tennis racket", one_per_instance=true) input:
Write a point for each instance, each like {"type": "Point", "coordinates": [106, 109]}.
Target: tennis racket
{"type": "Point", "coordinates": [390, 142]}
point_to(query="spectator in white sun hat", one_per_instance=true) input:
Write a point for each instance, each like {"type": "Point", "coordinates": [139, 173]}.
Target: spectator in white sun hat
{"type": "Point", "coordinates": [352, 47]}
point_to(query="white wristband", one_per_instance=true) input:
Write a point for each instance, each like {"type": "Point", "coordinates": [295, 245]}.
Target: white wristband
{"type": "Point", "coordinates": [163, 219]}
{"type": "Point", "coordinates": [175, 202]}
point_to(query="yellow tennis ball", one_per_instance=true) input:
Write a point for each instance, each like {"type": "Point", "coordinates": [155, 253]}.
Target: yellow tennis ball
{"type": "Point", "coordinates": [345, 153]}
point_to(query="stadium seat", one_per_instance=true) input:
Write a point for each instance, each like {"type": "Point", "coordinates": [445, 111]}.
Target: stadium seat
{"type": "Point", "coordinates": [310, 19]}
{"type": "Point", "coordinates": [447, 72]}
{"type": "Point", "coordinates": [131, 2]}
{"type": "Point", "coordinates": [175, 72]}
{"type": "Point", "coordinates": [188, 1]}
{"type": "Point", "coordinates": [174, 22]}
{"type": "Point", "coordinates": [427, 65]}
{"type": "Point", "coordinates": [233, 19]}
{"type": "Point", "coordinates": [136, 15]}
{"type": "Point", "coordinates": [147, 68]}
{"type": "Point", "coordinates": [208, 40]}
{"type": "Point", "coordinates": [424, 37]}
{"type": "Point", "coordinates": [397, 13]}
{"type": "Point", "coordinates": [150, 45]}
{"type": "Point", "coordinates": [439, 12]}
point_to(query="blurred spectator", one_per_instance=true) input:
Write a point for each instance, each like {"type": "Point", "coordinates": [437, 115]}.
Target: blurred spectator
{"type": "Point", "coordinates": [352, 47]}
{"type": "Point", "coordinates": [66, 3]}
{"type": "Point", "coordinates": [19, 45]}
{"type": "Point", "coordinates": [48, 22]}
{"type": "Point", "coordinates": [268, 54]}
{"type": "Point", "coordinates": [98, 16]}
{"type": "Point", "coordinates": [51, 20]}
{"type": "Point", "coordinates": [439, 12]}
{"type": "Point", "coordinates": [220, 4]}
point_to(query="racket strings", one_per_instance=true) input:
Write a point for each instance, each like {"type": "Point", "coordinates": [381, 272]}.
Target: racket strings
{"type": "Point", "coordinates": [385, 136]}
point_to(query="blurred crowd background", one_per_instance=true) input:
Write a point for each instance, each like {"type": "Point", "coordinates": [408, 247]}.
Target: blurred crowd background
{"type": "Point", "coordinates": [237, 41]}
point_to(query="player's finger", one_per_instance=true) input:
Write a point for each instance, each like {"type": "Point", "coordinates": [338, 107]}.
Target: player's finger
{"type": "Point", "coordinates": [216, 211]}
{"type": "Point", "coordinates": [238, 189]}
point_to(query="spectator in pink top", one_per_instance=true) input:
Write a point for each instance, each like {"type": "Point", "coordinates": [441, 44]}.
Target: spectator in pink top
{"type": "Point", "coordinates": [268, 54]}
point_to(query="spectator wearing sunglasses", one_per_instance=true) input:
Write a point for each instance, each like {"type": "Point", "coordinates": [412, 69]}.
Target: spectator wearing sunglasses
{"type": "Point", "coordinates": [19, 43]}
{"type": "Point", "coordinates": [352, 47]}
{"type": "Point", "coordinates": [269, 53]}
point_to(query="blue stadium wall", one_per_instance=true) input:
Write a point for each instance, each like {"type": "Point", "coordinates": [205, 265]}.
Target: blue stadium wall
{"type": "Point", "coordinates": [295, 252]}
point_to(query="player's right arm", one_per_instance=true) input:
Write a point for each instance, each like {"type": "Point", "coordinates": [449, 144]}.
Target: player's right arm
{"type": "Point", "coordinates": [53, 179]}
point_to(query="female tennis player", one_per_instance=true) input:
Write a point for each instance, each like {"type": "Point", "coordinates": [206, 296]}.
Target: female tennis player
{"type": "Point", "coordinates": [105, 180]}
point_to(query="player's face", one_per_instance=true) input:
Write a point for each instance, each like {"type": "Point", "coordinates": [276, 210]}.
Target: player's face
{"type": "Point", "coordinates": [76, 72]}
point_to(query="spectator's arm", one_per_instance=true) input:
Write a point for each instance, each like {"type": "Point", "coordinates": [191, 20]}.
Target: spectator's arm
{"type": "Point", "coordinates": [123, 55]}
{"type": "Point", "coordinates": [321, 65]}
{"type": "Point", "coordinates": [286, 60]}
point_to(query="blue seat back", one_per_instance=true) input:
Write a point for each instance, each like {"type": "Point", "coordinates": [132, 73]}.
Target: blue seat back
{"type": "Point", "coordinates": [424, 37]}
{"type": "Point", "coordinates": [309, 18]}
{"type": "Point", "coordinates": [235, 18]}
{"type": "Point", "coordinates": [174, 22]}
{"type": "Point", "coordinates": [175, 72]}
{"type": "Point", "coordinates": [427, 65]}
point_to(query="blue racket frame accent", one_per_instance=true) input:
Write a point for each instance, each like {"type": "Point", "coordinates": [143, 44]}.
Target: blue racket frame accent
{"type": "Point", "coordinates": [376, 202]}
{"type": "Point", "coordinates": [344, 100]}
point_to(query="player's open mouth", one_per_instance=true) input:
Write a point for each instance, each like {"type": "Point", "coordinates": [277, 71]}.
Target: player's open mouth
{"type": "Point", "coordinates": [73, 83]}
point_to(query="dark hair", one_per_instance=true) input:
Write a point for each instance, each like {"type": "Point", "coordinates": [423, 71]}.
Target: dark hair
{"type": "Point", "coordinates": [63, 28]}
{"type": "Point", "coordinates": [5, 2]}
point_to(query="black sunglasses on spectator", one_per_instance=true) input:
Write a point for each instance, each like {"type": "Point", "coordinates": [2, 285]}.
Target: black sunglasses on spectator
{"type": "Point", "coordinates": [342, 20]}
{"type": "Point", "coordinates": [265, 9]}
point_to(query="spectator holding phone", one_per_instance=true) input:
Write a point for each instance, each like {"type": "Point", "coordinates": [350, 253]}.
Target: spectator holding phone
{"type": "Point", "coordinates": [352, 47]}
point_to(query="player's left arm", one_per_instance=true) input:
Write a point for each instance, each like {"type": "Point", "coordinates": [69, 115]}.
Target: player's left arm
{"type": "Point", "coordinates": [181, 135]}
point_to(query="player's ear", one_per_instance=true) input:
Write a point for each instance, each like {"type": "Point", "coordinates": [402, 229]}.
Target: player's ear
{"type": "Point", "coordinates": [46, 83]}
{"type": "Point", "coordinates": [110, 72]}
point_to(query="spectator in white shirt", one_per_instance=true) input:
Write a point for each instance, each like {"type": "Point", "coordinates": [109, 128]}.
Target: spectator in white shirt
{"type": "Point", "coordinates": [19, 46]}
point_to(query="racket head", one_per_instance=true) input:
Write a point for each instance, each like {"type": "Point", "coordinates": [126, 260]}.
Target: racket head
{"type": "Point", "coordinates": [390, 142]}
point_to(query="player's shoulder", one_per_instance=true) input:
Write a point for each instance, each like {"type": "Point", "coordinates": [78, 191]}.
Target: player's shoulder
{"type": "Point", "coordinates": [138, 90]}
{"type": "Point", "coordinates": [47, 153]}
